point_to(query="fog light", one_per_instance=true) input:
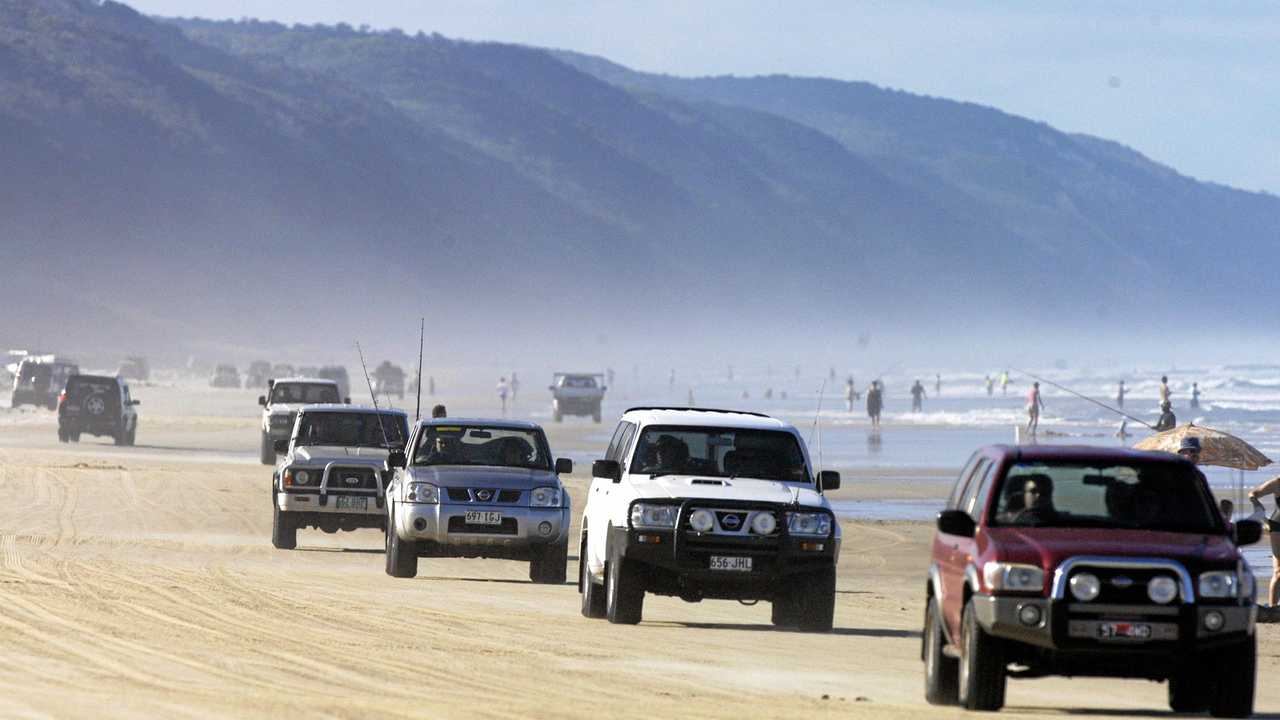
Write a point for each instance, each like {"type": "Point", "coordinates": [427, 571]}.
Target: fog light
{"type": "Point", "coordinates": [544, 527]}
{"type": "Point", "coordinates": [812, 546]}
{"type": "Point", "coordinates": [1029, 615]}
{"type": "Point", "coordinates": [1162, 589]}
{"type": "Point", "coordinates": [1213, 621]}
{"type": "Point", "coordinates": [1085, 586]}
{"type": "Point", "coordinates": [419, 524]}
{"type": "Point", "coordinates": [701, 521]}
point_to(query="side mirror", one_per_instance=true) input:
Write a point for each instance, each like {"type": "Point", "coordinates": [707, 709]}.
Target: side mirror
{"type": "Point", "coordinates": [564, 466]}
{"type": "Point", "coordinates": [346, 401]}
{"type": "Point", "coordinates": [829, 480]}
{"type": "Point", "coordinates": [262, 400]}
{"type": "Point", "coordinates": [608, 469]}
{"type": "Point", "coordinates": [396, 459]}
{"type": "Point", "coordinates": [956, 522]}
{"type": "Point", "coordinates": [282, 446]}
{"type": "Point", "coordinates": [1247, 532]}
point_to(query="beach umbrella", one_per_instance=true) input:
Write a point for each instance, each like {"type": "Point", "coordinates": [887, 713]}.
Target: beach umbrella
{"type": "Point", "coordinates": [1216, 447]}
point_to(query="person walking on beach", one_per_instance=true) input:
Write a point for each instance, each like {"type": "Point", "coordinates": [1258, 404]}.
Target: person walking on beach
{"type": "Point", "coordinates": [1004, 383]}
{"type": "Point", "coordinates": [503, 390]}
{"type": "Point", "coordinates": [875, 403]}
{"type": "Point", "coordinates": [1195, 396]}
{"type": "Point", "coordinates": [1164, 390]}
{"type": "Point", "coordinates": [850, 393]}
{"type": "Point", "coordinates": [1034, 405]}
{"type": "Point", "coordinates": [991, 386]}
{"type": "Point", "coordinates": [515, 388]}
{"type": "Point", "coordinates": [1271, 487]}
{"type": "Point", "coordinates": [917, 397]}
{"type": "Point", "coordinates": [1120, 395]}
{"type": "Point", "coordinates": [1168, 420]}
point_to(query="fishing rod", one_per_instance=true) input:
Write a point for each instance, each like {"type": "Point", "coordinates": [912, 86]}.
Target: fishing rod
{"type": "Point", "coordinates": [1084, 397]}
{"type": "Point", "coordinates": [377, 411]}
{"type": "Point", "coordinates": [817, 423]}
{"type": "Point", "coordinates": [422, 333]}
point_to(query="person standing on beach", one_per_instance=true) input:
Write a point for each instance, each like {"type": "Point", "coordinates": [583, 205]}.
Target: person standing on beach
{"type": "Point", "coordinates": [1168, 420]}
{"type": "Point", "coordinates": [937, 384]}
{"type": "Point", "coordinates": [850, 393]}
{"type": "Point", "coordinates": [875, 403]}
{"type": "Point", "coordinates": [917, 397]}
{"type": "Point", "coordinates": [1195, 396]}
{"type": "Point", "coordinates": [515, 387]}
{"type": "Point", "coordinates": [1120, 395]}
{"type": "Point", "coordinates": [1164, 390]}
{"type": "Point", "coordinates": [1034, 405]}
{"type": "Point", "coordinates": [1271, 487]}
{"type": "Point", "coordinates": [503, 390]}
{"type": "Point", "coordinates": [991, 386]}
{"type": "Point", "coordinates": [1004, 383]}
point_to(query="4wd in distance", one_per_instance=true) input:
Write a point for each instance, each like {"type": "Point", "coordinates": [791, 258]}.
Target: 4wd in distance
{"type": "Point", "coordinates": [705, 504]}
{"type": "Point", "coordinates": [1086, 561]}
{"type": "Point", "coordinates": [97, 405]}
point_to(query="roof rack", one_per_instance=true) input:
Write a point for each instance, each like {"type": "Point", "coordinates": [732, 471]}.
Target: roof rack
{"type": "Point", "coordinates": [698, 409]}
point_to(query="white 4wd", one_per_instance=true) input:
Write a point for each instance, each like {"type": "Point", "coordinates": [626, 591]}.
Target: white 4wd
{"type": "Point", "coordinates": [280, 408]}
{"type": "Point", "coordinates": [708, 504]}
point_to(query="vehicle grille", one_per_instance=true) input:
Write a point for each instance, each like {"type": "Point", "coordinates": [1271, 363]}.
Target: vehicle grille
{"type": "Point", "coordinates": [734, 522]}
{"type": "Point", "coordinates": [473, 495]}
{"type": "Point", "coordinates": [339, 476]}
{"type": "Point", "coordinates": [459, 525]}
{"type": "Point", "coordinates": [1124, 586]}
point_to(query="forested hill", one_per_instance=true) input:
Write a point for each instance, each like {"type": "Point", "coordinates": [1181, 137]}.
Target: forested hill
{"type": "Point", "coordinates": [207, 179]}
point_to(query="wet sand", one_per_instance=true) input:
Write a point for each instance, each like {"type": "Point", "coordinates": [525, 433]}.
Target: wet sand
{"type": "Point", "coordinates": [140, 582]}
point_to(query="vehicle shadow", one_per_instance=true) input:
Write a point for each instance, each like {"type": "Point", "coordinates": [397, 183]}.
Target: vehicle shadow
{"type": "Point", "coordinates": [844, 631]}
{"type": "Point", "coordinates": [362, 551]}
{"type": "Point", "coordinates": [1108, 712]}
{"type": "Point", "coordinates": [503, 581]}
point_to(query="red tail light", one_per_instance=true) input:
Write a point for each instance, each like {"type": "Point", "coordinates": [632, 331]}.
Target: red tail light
{"type": "Point", "coordinates": [62, 397]}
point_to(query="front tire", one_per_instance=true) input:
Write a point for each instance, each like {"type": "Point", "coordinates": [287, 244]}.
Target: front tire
{"type": "Point", "coordinates": [73, 437]}
{"type": "Point", "coordinates": [818, 601]}
{"type": "Point", "coordinates": [63, 436]}
{"type": "Point", "coordinates": [268, 451]}
{"type": "Point", "coordinates": [1237, 671]}
{"type": "Point", "coordinates": [624, 591]}
{"type": "Point", "coordinates": [402, 556]}
{"type": "Point", "coordinates": [550, 565]}
{"type": "Point", "coordinates": [940, 671]}
{"type": "Point", "coordinates": [786, 609]}
{"type": "Point", "coordinates": [593, 605]}
{"type": "Point", "coordinates": [982, 666]}
{"type": "Point", "coordinates": [284, 533]}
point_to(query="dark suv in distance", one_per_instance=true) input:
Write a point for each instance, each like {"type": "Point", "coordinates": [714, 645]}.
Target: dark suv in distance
{"type": "Point", "coordinates": [1085, 561]}
{"type": "Point", "coordinates": [97, 405]}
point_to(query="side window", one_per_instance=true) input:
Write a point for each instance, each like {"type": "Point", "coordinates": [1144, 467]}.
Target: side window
{"type": "Point", "coordinates": [977, 502]}
{"type": "Point", "coordinates": [975, 481]}
{"type": "Point", "coordinates": [625, 443]}
{"type": "Point", "coordinates": [611, 453]}
{"type": "Point", "coordinates": [957, 492]}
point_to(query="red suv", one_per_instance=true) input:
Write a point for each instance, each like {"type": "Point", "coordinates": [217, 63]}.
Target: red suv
{"type": "Point", "coordinates": [1086, 561]}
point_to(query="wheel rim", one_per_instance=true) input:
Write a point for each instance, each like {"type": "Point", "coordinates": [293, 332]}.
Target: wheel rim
{"type": "Point", "coordinates": [612, 588]}
{"type": "Point", "coordinates": [965, 656]}
{"type": "Point", "coordinates": [931, 642]}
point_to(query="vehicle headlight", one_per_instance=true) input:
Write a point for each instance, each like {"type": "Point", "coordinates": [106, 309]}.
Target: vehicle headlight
{"type": "Point", "coordinates": [702, 520]}
{"type": "Point", "coordinates": [1085, 586]}
{"type": "Point", "coordinates": [764, 523]}
{"type": "Point", "coordinates": [653, 516]}
{"type": "Point", "coordinates": [1220, 584]}
{"type": "Point", "coordinates": [302, 477]}
{"type": "Point", "coordinates": [545, 497]}
{"type": "Point", "coordinates": [1013, 577]}
{"type": "Point", "coordinates": [1162, 589]}
{"type": "Point", "coordinates": [815, 524]}
{"type": "Point", "coordinates": [420, 492]}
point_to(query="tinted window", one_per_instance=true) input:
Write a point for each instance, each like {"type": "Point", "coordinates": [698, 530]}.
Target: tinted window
{"type": "Point", "coordinates": [962, 482]}
{"type": "Point", "coordinates": [625, 442]}
{"type": "Point", "coordinates": [971, 487]}
{"type": "Point", "coordinates": [977, 501]}
{"type": "Point", "coordinates": [719, 452]}
{"type": "Point", "coordinates": [481, 445]}
{"type": "Point", "coordinates": [354, 429]}
{"type": "Point", "coordinates": [612, 452]}
{"type": "Point", "coordinates": [309, 393]}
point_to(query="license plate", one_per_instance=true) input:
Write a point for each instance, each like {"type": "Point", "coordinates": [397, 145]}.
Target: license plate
{"type": "Point", "coordinates": [734, 564]}
{"type": "Point", "coordinates": [479, 517]}
{"type": "Point", "coordinates": [1124, 631]}
{"type": "Point", "coordinates": [346, 502]}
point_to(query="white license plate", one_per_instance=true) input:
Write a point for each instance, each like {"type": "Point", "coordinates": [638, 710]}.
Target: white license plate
{"type": "Point", "coordinates": [1124, 630]}
{"type": "Point", "coordinates": [346, 502]}
{"type": "Point", "coordinates": [734, 564]}
{"type": "Point", "coordinates": [479, 517]}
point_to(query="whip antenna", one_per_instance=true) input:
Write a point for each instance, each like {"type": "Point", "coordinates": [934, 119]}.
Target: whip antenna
{"type": "Point", "coordinates": [817, 424]}
{"type": "Point", "coordinates": [1103, 405]}
{"type": "Point", "coordinates": [422, 332]}
{"type": "Point", "coordinates": [378, 412]}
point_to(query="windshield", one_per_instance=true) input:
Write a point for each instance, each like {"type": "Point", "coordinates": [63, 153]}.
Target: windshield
{"type": "Point", "coordinates": [352, 429]}
{"type": "Point", "coordinates": [481, 445]}
{"type": "Point", "coordinates": [579, 381]}
{"type": "Point", "coordinates": [1142, 496]}
{"type": "Point", "coordinates": [79, 386]}
{"type": "Point", "coordinates": [304, 393]}
{"type": "Point", "coordinates": [720, 452]}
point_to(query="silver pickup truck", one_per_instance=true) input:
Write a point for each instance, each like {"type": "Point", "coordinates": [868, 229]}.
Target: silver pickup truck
{"type": "Point", "coordinates": [334, 470]}
{"type": "Point", "coordinates": [478, 488]}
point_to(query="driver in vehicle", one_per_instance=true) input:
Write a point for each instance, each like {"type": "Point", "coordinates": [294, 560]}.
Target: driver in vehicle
{"type": "Point", "coordinates": [1032, 504]}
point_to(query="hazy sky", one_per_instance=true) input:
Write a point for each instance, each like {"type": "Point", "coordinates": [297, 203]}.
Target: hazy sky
{"type": "Point", "coordinates": [1190, 84]}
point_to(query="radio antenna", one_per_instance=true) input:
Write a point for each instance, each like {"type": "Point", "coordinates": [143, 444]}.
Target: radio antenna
{"type": "Point", "coordinates": [422, 333]}
{"type": "Point", "coordinates": [817, 422]}
{"type": "Point", "coordinates": [377, 411]}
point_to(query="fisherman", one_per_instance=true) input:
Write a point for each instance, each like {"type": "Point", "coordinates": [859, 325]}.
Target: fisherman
{"type": "Point", "coordinates": [875, 403]}
{"type": "Point", "coordinates": [1004, 383]}
{"type": "Point", "coordinates": [917, 396]}
{"type": "Point", "coordinates": [1164, 389]}
{"type": "Point", "coordinates": [1168, 420]}
{"type": "Point", "coordinates": [937, 384]}
{"type": "Point", "coordinates": [991, 385]}
{"type": "Point", "coordinates": [608, 372]}
{"type": "Point", "coordinates": [691, 402]}
{"type": "Point", "coordinates": [1123, 432]}
{"type": "Point", "coordinates": [431, 385]}
{"type": "Point", "coordinates": [768, 393]}
{"type": "Point", "coordinates": [1271, 487]}
{"type": "Point", "coordinates": [515, 387]}
{"type": "Point", "coordinates": [671, 381]}
{"type": "Point", "coordinates": [1034, 405]}
{"type": "Point", "coordinates": [503, 390]}
{"type": "Point", "coordinates": [850, 393]}
{"type": "Point", "coordinates": [439, 411]}
{"type": "Point", "coordinates": [1195, 396]}
{"type": "Point", "coordinates": [1120, 395]}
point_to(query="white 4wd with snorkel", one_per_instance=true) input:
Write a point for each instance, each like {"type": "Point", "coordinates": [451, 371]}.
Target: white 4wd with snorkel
{"type": "Point", "coordinates": [280, 407]}
{"type": "Point", "coordinates": [702, 504]}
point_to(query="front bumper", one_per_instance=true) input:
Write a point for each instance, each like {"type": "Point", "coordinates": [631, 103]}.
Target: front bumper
{"type": "Point", "coordinates": [344, 503]}
{"type": "Point", "coordinates": [445, 525]}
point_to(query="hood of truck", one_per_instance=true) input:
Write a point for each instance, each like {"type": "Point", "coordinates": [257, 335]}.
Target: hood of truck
{"type": "Point", "coordinates": [1049, 547]}
{"type": "Point", "coordinates": [676, 487]}
{"type": "Point", "coordinates": [507, 478]}
{"type": "Point", "coordinates": [325, 454]}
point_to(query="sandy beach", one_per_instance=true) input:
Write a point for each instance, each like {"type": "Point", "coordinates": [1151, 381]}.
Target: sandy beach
{"type": "Point", "coordinates": [141, 582]}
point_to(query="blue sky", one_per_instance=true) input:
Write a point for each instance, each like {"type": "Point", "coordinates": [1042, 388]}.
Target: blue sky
{"type": "Point", "coordinates": [1190, 84]}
